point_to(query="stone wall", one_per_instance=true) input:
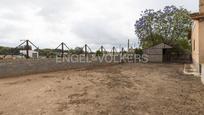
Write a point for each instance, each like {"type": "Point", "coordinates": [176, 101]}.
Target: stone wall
{"type": "Point", "coordinates": [25, 67]}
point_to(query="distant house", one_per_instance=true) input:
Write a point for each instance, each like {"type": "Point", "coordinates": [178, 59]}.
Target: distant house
{"type": "Point", "coordinates": [31, 53]}
{"type": "Point", "coordinates": [197, 39]}
{"type": "Point", "coordinates": [156, 53]}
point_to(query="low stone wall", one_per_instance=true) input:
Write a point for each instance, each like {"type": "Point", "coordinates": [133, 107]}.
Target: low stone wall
{"type": "Point", "coordinates": [25, 67]}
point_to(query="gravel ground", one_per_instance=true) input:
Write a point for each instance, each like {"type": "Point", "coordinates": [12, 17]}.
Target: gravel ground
{"type": "Point", "coordinates": [125, 89]}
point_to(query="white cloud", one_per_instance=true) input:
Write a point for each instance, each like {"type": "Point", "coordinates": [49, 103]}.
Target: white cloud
{"type": "Point", "coordinates": [75, 22]}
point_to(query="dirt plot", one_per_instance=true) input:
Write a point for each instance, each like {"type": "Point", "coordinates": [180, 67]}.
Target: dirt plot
{"type": "Point", "coordinates": [125, 89]}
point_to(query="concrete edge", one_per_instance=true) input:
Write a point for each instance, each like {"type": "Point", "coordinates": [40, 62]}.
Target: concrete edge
{"type": "Point", "coordinates": [190, 71]}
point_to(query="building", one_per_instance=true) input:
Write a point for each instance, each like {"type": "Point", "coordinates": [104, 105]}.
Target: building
{"type": "Point", "coordinates": [197, 39]}
{"type": "Point", "coordinates": [31, 53]}
{"type": "Point", "coordinates": [156, 53]}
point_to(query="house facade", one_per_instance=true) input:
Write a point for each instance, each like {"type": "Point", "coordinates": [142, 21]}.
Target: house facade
{"type": "Point", "coordinates": [197, 39]}
{"type": "Point", "coordinates": [31, 53]}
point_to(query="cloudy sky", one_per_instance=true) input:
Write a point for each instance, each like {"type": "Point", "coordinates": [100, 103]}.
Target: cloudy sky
{"type": "Point", "coordinates": [47, 23]}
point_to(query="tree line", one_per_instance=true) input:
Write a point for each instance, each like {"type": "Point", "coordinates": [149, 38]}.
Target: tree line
{"type": "Point", "coordinates": [170, 26]}
{"type": "Point", "coordinates": [49, 53]}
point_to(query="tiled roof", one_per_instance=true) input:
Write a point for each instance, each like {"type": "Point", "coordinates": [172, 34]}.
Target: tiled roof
{"type": "Point", "coordinates": [197, 16]}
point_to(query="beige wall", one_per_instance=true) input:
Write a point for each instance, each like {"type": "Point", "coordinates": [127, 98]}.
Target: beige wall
{"type": "Point", "coordinates": [195, 42]}
{"type": "Point", "coordinates": [201, 6]}
{"type": "Point", "coordinates": [198, 41]}
{"type": "Point", "coordinates": [201, 42]}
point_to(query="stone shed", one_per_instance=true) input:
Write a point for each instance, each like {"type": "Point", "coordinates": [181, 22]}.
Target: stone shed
{"type": "Point", "coordinates": [157, 52]}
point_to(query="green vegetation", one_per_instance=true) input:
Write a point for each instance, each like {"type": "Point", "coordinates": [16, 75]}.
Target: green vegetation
{"type": "Point", "coordinates": [77, 50]}
{"type": "Point", "coordinates": [8, 51]}
{"type": "Point", "coordinates": [4, 50]}
{"type": "Point", "coordinates": [48, 53]}
{"type": "Point", "coordinates": [99, 53]}
{"type": "Point", "coordinates": [170, 25]}
{"type": "Point", "coordinates": [138, 51]}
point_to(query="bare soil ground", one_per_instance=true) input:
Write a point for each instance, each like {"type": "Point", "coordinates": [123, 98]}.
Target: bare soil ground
{"type": "Point", "coordinates": [126, 89]}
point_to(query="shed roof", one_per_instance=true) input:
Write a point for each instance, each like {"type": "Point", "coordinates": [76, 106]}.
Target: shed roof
{"type": "Point", "coordinates": [161, 46]}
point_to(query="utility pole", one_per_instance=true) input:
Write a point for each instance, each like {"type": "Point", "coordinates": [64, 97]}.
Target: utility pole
{"type": "Point", "coordinates": [62, 49]}
{"type": "Point", "coordinates": [128, 45]}
{"type": "Point", "coordinates": [114, 51]}
{"type": "Point", "coordinates": [27, 49]}
{"type": "Point", "coordinates": [86, 50]}
{"type": "Point", "coordinates": [122, 51]}
{"type": "Point", "coordinates": [63, 45]}
{"type": "Point", "coordinates": [102, 49]}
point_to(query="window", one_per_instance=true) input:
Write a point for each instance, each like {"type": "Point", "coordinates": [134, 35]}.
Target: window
{"type": "Point", "coordinates": [193, 45]}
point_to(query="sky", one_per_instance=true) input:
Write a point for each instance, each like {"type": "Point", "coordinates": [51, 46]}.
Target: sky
{"type": "Point", "coordinates": [47, 23]}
